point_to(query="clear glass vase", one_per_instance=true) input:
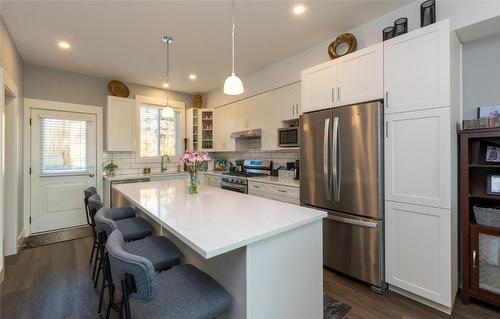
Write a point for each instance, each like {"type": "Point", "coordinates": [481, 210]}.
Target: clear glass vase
{"type": "Point", "coordinates": [193, 182]}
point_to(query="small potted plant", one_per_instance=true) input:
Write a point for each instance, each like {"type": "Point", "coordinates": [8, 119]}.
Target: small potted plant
{"type": "Point", "coordinates": [110, 167]}
{"type": "Point", "coordinates": [195, 162]}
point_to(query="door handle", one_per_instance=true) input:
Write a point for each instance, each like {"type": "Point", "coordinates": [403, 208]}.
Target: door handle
{"type": "Point", "coordinates": [91, 175]}
{"type": "Point", "coordinates": [352, 221]}
{"type": "Point", "coordinates": [339, 160]}
{"type": "Point", "coordinates": [338, 93]}
{"type": "Point", "coordinates": [474, 255]}
{"type": "Point", "coordinates": [326, 162]}
{"type": "Point", "coordinates": [335, 172]}
{"type": "Point", "coordinates": [387, 129]}
{"type": "Point", "coordinates": [333, 94]}
{"type": "Point", "coordinates": [387, 99]}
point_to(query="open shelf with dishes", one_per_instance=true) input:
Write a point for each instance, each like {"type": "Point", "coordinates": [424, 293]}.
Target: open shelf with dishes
{"type": "Point", "coordinates": [480, 214]}
{"type": "Point", "coordinates": [200, 125]}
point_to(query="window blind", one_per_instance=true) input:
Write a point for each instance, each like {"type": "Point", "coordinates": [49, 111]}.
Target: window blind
{"type": "Point", "coordinates": [63, 146]}
{"type": "Point", "coordinates": [159, 131]}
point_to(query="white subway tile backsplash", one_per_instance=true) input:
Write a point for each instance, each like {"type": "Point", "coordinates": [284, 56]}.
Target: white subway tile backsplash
{"type": "Point", "coordinates": [128, 163]}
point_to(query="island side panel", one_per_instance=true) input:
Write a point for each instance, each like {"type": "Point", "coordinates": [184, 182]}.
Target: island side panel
{"type": "Point", "coordinates": [285, 275]}
{"type": "Point", "coordinates": [228, 269]}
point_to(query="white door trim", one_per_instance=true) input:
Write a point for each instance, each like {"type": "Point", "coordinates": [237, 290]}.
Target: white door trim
{"type": "Point", "coordinates": [12, 168]}
{"type": "Point", "coordinates": [30, 104]}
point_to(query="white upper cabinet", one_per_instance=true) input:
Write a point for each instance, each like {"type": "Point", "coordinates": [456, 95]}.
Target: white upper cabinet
{"type": "Point", "coordinates": [269, 118]}
{"type": "Point", "coordinates": [120, 124]}
{"type": "Point", "coordinates": [418, 157]}
{"type": "Point", "coordinates": [417, 69]}
{"type": "Point", "coordinates": [354, 78]}
{"type": "Point", "coordinates": [224, 125]}
{"type": "Point", "coordinates": [360, 76]}
{"type": "Point", "coordinates": [318, 87]}
{"type": "Point", "coordinates": [290, 102]}
{"type": "Point", "coordinates": [242, 111]}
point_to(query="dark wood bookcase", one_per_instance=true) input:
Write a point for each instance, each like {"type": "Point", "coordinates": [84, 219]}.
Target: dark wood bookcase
{"type": "Point", "coordinates": [480, 275]}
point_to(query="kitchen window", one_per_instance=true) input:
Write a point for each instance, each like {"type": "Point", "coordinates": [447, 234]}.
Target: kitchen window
{"type": "Point", "coordinates": [160, 130]}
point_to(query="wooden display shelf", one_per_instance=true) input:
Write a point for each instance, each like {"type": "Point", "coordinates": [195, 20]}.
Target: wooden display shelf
{"type": "Point", "coordinates": [474, 172]}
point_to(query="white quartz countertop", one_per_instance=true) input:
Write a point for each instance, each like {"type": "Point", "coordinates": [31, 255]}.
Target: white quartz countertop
{"type": "Point", "coordinates": [137, 176]}
{"type": "Point", "coordinates": [215, 221]}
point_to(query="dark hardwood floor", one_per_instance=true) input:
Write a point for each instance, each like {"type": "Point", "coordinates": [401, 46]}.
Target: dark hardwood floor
{"type": "Point", "coordinates": [53, 282]}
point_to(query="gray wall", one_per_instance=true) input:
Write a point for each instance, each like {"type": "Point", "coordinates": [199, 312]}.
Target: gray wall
{"type": "Point", "coordinates": [481, 74]}
{"type": "Point", "coordinates": [13, 65]}
{"type": "Point", "coordinates": [62, 86]}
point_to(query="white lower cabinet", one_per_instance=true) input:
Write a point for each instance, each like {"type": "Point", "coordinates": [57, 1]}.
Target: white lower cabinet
{"type": "Point", "coordinates": [418, 249]}
{"type": "Point", "coordinates": [287, 194]}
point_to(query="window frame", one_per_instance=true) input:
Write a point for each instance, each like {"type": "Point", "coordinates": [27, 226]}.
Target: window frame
{"type": "Point", "coordinates": [159, 102]}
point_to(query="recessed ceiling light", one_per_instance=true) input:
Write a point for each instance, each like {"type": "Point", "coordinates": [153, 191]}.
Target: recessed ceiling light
{"type": "Point", "coordinates": [165, 85]}
{"type": "Point", "coordinates": [299, 9]}
{"type": "Point", "coordinates": [64, 45]}
{"type": "Point", "coordinates": [192, 76]}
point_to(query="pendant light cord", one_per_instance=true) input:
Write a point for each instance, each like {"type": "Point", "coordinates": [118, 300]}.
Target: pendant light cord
{"type": "Point", "coordinates": [168, 72]}
{"type": "Point", "coordinates": [232, 34]}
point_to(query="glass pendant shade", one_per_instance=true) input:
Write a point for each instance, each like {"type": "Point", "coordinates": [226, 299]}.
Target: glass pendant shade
{"type": "Point", "coordinates": [233, 85]}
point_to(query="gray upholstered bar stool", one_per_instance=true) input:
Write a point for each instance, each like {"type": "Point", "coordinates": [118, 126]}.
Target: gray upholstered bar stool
{"type": "Point", "coordinates": [124, 219]}
{"type": "Point", "coordinates": [87, 192]}
{"type": "Point", "coordinates": [160, 251]}
{"type": "Point", "coordinates": [183, 292]}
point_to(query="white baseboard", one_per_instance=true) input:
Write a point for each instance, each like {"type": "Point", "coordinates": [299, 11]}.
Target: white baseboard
{"type": "Point", "coordinates": [422, 300]}
{"type": "Point", "coordinates": [20, 240]}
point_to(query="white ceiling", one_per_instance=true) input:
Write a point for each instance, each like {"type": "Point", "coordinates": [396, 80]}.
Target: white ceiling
{"type": "Point", "coordinates": [121, 39]}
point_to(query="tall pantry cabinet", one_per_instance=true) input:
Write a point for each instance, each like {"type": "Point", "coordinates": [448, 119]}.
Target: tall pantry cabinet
{"type": "Point", "coordinates": [422, 113]}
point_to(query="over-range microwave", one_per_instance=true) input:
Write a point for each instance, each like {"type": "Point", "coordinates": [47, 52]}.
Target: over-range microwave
{"type": "Point", "coordinates": [288, 136]}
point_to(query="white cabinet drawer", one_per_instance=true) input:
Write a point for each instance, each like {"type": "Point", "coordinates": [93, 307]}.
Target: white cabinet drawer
{"type": "Point", "coordinates": [277, 192]}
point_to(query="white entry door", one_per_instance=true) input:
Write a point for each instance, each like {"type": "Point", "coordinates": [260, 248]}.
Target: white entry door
{"type": "Point", "coordinates": [63, 161]}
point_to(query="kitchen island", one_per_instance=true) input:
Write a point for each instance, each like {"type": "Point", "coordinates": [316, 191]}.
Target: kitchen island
{"type": "Point", "coordinates": [267, 254]}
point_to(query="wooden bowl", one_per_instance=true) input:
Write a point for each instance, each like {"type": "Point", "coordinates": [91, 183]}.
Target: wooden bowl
{"type": "Point", "coordinates": [118, 88]}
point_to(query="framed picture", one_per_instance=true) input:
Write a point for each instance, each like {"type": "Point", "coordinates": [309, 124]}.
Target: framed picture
{"type": "Point", "coordinates": [492, 154]}
{"type": "Point", "coordinates": [488, 112]}
{"type": "Point", "coordinates": [493, 185]}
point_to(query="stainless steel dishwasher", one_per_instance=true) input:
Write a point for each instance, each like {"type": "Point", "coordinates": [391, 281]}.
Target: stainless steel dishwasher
{"type": "Point", "coordinates": [117, 200]}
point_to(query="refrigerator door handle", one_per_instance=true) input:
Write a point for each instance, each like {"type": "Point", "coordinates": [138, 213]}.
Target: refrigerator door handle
{"type": "Point", "coordinates": [335, 172]}
{"type": "Point", "coordinates": [339, 161]}
{"type": "Point", "coordinates": [326, 162]}
{"type": "Point", "coordinates": [352, 221]}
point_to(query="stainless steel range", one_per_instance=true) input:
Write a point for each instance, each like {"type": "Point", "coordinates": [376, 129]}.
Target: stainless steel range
{"type": "Point", "coordinates": [237, 181]}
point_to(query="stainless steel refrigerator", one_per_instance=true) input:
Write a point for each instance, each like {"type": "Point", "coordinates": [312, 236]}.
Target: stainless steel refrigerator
{"type": "Point", "coordinates": [341, 171]}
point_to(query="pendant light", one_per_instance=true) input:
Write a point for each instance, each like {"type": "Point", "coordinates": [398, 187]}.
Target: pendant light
{"type": "Point", "coordinates": [233, 84]}
{"type": "Point", "coordinates": [168, 40]}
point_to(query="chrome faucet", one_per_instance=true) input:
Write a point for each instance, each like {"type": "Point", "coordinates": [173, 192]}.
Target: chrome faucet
{"type": "Point", "coordinates": [163, 168]}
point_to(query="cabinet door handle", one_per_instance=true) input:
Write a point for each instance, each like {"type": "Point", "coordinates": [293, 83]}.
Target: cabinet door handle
{"type": "Point", "coordinates": [387, 129]}
{"type": "Point", "coordinates": [333, 94]}
{"type": "Point", "coordinates": [387, 99]}
{"type": "Point", "coordinates": [474, 255]}
{"type": "Point", "coordinates": [293, 109]}
{"type": "Point", "coordinates": [255, 186]}
{"type": "Point", "coordinates": [282, 190]}
{"type": "Point", "coordinates": [338, 93]}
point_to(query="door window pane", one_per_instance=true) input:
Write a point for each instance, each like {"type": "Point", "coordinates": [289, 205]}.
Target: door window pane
{"type": "Point", "coordinates": [160, 131]}
{"type": "Point", "coordinates": [63, 146]}
{"type": "Point", "coordinates": [489, 263]}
